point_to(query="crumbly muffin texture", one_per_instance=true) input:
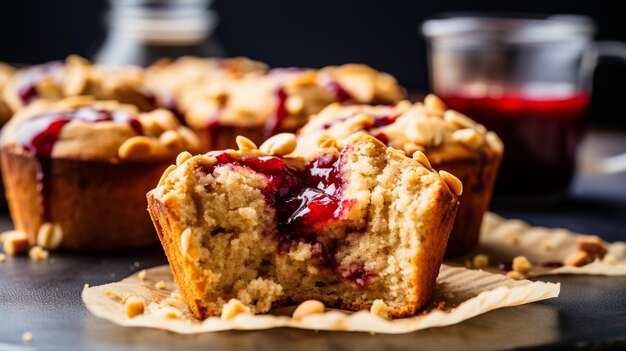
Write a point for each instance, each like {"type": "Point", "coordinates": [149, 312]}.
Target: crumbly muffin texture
{"type": "Point", "coordinates": [346, 225]}
{"type": "Point", "coordinates": [452, 142]}
{"type": "Point", "coordinates": [77, 76]}
{"type": "Point", "coordinates": [82, 128]}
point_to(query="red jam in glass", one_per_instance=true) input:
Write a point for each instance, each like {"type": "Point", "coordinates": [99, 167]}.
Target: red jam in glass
{"type": "Point", "coordinates": [39, 134]}
{"type": "Point", "coordinates": [540, 136]}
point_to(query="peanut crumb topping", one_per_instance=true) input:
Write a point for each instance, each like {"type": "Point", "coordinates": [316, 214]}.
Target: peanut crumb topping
{"type": "Point", "coordinates": [428, 127]}
{"type": "Point", "coordinates": [123, 133]}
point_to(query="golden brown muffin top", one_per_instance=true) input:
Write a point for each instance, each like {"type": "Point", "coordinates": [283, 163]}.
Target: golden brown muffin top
{"type": "Point", "coordinates": [6, 72]}
{"type": "Point", "coordinates": [175, 81]}
{"type": "Point", "coordinates": [430, 127]}
{"type": "Point", "coordinates": [76, 76]}
{"type": "Point", "coordinates": [286, 97]}
{"type": "Point", "coordinates": [85, 129]}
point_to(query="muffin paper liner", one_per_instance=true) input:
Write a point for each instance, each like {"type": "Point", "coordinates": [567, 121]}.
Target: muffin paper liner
{"type": "Point", "coordinates": [460, 294]}
{"type": "Point", "coordinates": [502, 239]}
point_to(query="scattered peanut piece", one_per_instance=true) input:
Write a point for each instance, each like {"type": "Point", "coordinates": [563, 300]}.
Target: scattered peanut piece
{"type": "Point", "coordinates": [232, 308]}
{"type": "Point", "coordinates": [117, 297]}
{"type": "Point", "coordinates": [27, 337]}
{"type": "Point", "coordinates": [515, 275]}
{"type": "Point", "coordinates": [480, 261]}
{"type": "Point", "coordinates": [169, 312]}
{"type": "Point", "coordinates": [379, 308]}
{"type": "Point", "coordinates": [593, 245]}
{"type": "Point", "coordinates": [86, 286]}
{"type": "Point", "coordinates": [37, 254]}
{"type": "Point", "coordinates": [307, 308]}
{"type": "Point", "coordinates": [15, 243]}
{"type": "Point", "coordinates": [133, 307]}
{"type": "Point", "coordinates": [160, 285]}
{"type": "Point", "coordinates": [578, 259]}
{"type": "Point", "coordinates": [609, 259]}
{"type": "Point", "coordinates": [3, 257]}
{"type": "Point", "coordinates": [521, 264]}
{"type": "Point", "coordinates": [142, 274]}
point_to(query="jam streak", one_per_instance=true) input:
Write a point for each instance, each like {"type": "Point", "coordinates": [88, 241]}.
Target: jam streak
{"type": "Point", "coordinates": [273, 123]}
{"type": "Point", "coordinates": [340, 94]}
{"type": "Point", "coordinates": [39, 134]}
{"type": "Point", "coordinates": [27, 86]}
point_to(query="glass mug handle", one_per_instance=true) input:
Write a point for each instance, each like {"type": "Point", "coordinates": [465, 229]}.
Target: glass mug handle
{"type": "Point", "coordinates": [608, 51]}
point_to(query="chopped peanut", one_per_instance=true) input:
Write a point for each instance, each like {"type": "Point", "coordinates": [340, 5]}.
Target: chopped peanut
{"type": "Point", "coordinates": [307, 308]}
{"type": "Point", "coordinates": [521, 264]}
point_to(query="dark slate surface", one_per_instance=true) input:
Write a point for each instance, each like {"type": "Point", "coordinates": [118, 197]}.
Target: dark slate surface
{"type": "Point", "coordinates": [44, 298]}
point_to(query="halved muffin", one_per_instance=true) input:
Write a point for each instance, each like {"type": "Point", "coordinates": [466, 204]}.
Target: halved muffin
{"type": "Point", "coordinates": [451, 141]}
{"type": "Point", "coordinates": [346, 225]}
{"type": "Point", "coordinates": [76, 171]}
{"type": "Point", "coordinates": [261, 104]}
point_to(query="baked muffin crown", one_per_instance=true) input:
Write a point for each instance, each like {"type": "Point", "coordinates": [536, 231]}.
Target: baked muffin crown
{"type": "Point", "coordinates": [284, 98]}
{"type": "Point", "coordinates": [176, 81]}
{"type": "Point", "coordinates": [83, 128]}
{"type": "Point", "coordinates": [77, 76]}
{"type": "Point", "coordinates": [6, 72]}
{"type": "Point", "coordinates": [429, 127]}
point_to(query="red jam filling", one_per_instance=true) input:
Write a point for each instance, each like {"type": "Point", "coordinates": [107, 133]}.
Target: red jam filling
{"type": "Point", "coordinates": [27, 86]}
{"type": "Point", "coordinates": [39, 134]}
{"type": "Point", "coordinates": [305, 199]}
{"type": "Point", "coordinates": [274, 122]}
{"type": "Point", "coordinates": [341, 95]}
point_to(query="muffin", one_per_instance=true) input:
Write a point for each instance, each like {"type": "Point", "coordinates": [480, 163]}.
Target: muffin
{"type": "Point", "coordinates": [76, 76]}
{"type": "Point", "coordinates": [451, 141]}
{"type": "Point", "coordinates": [176, 82]}
{"type": "Point", "coordinates": [345, 225]}
{"type": "Point", "coordinates": [261, 104]}
{"type": "Point", "coordinates": [76, 171]}
{"type": "Point", "coordinates": [6, 72]}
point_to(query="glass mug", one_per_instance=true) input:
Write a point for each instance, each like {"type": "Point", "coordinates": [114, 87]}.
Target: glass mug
{"type": "Point", "coordinates": [527, 79]}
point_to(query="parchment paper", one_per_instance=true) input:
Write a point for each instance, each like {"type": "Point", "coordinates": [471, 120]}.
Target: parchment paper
{"type": "Point", "coordinates": [502, 239]}
{"type": "Point", "coordinates": [460, 294]}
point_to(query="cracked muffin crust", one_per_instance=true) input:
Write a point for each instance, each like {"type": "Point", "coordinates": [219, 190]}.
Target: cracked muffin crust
{"type": "Point", "coordinates": [261, 104]}
{"type": "Point", "coordinates": [78, 170]}
{"type": "Point", "coordinates": [76, 76]}
{"type": "Point", "coordinates": [451, 141]}
{"type": "Point", "coordinates": [176, 82]}
{"type": "Point", "coordinates": [346, 225]}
